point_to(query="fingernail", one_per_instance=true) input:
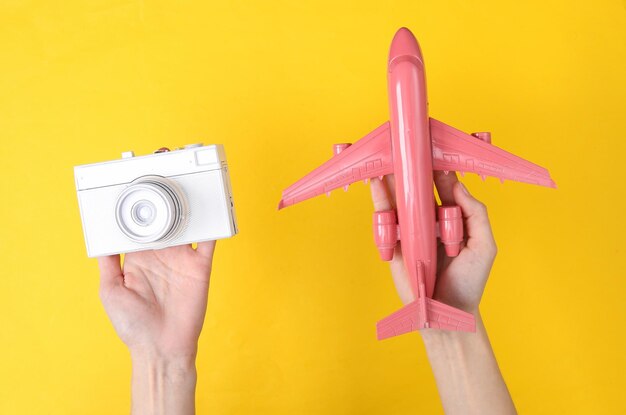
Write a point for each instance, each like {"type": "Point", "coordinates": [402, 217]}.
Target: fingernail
{"type": "Point", "coordinates": [464, 188]}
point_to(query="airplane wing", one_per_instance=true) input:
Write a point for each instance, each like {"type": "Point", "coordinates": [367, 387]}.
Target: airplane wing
{"type": "Point", "coordinates": [367, 158]}
{"type": "Point", "coordinates": [454, 150]}
{"type": "Point", "coordinates": [440, 316]}
{"type": "Point", "coordinates": [402, 321]}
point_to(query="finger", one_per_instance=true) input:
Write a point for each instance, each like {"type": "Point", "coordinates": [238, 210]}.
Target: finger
{"type": "Point", "coordinates": [401, 278]}
{"type": "Point", "coordinates": [380, 196]}
{"type": "Point", "coordinates": [445, 186]}
{"type": "Point", "coordinates": [110, 271]}
{"type": "Point", "coordinates": [206, 249]}
{"type": "Point", "coordinates": [476, 219]}
{"type": "Point", "coordinates": [390, 180]}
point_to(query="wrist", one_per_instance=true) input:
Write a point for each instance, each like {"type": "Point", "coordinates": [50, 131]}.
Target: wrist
{"type": "Point", "coordinates": [163, 383]}
{"type": "Point", "coordinates": [178, 357]}
{"type": "Point", "coordinates": [167, 364]}
{"type": "Point", "coordinates": [466, 371]}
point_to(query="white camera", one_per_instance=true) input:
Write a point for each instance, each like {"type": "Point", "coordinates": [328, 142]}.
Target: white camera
{"type": "Point", "coordinates": [151, 202]}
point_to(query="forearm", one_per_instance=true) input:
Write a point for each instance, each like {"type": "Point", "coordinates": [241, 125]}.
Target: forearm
{"type": "Point", "coordinates": [163, 385]}
{"type": "Point", "coordinates": [467, 373]}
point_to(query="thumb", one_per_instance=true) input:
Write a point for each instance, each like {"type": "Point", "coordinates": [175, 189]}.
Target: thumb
{"type": "Point", "coordinates": [380, 195]}
{"type": "Point", "coordinates": [110, 272]}
{"type": "Point", "coordinates": [206, 249]}
{"type": "Point", "coordinates": [476, 221]}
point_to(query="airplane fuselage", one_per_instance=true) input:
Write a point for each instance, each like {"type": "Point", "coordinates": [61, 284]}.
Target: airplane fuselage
{"type": "Point", "coordinates": [412, 155]}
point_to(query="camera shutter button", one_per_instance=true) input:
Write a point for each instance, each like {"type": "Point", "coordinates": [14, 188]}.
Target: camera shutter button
{"type": "Point", "coordinates": [193, 145]}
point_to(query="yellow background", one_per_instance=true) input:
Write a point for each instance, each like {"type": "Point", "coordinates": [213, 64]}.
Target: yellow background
{"type": "Point", "coordinates": [295, 296]}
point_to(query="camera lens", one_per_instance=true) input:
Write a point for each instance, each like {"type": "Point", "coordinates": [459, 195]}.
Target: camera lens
{"type": "Point", "coordinates": [151, 209]}
{"type": "Point", "coordinates": [143, 212]}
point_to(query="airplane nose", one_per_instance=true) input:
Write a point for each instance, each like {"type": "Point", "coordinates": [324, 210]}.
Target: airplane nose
{"type": "Point", "coordinates": [404, 44]}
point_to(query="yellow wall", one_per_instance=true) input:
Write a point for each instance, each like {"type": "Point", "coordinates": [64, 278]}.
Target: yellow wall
{"type": "Point", "coordinates": [295, 296]}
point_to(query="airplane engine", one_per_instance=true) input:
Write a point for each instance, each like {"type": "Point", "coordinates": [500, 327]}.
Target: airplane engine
{"type": "Point", "coordinates": [386, 233]}
{"type": "Point", "coordinates": [451, 228]}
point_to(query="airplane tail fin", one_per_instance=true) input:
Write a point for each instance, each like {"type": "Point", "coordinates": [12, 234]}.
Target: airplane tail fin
{"type": "Point", "coordinates": [425, 313]}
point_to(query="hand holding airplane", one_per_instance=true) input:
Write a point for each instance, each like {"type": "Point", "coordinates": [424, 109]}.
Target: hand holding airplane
{"type": "Point", "coordinates": [460, 280]}
{"type": "Point", "coordinates": [411, 146]}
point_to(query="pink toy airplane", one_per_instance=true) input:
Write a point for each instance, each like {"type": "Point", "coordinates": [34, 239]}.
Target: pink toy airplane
{"type": "Point", "coordinates": [410, 146]}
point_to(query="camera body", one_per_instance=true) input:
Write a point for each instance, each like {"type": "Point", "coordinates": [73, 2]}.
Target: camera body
{"type": "Point", "coordinates": [151, 202]}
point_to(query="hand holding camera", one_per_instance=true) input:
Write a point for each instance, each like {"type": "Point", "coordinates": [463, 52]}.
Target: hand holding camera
{"type": "Point", "coordinates": [152, 208]}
